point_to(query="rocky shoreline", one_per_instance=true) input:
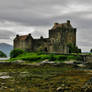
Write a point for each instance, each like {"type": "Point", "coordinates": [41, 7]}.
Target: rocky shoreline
{"type": "Point", "coordinates": [45, 76]}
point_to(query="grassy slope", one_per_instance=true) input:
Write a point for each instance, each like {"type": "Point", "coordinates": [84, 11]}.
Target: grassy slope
{"type": "Point", "coordinates": [41, 56]}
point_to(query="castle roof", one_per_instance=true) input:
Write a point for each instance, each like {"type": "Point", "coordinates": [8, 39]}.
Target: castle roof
{"type": "Point", "coordinates": [23, 37]}
{"type": "Point", "coordinates": [65, 25]}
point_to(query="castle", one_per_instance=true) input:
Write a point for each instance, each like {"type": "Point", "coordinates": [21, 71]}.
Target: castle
{"type": "Point", "coordinates": [59, 37]}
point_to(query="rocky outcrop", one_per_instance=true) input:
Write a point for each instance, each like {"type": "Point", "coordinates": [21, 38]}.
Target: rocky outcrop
{"type": "Point", "coordinates": [87, 87]}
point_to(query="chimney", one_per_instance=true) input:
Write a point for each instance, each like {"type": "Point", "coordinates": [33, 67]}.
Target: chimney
{"type": "Point", "coordinates": [41, 37]}
{"type": "Point", "coordinates": [68, 21]}
{"type": "Point", "coordinates": [75, 29]}
{"type": "Point", "coordinates": [55, 24]}
{"type": "Point", "coordinates": [17, 35]}
{"type": "Point", "coordinates": [29, 34]}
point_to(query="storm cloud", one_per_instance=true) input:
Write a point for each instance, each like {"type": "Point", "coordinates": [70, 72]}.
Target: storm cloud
{"type": "Point", "coordinates": [38, 16]}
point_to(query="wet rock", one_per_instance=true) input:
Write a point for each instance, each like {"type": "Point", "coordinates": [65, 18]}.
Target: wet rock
{"type": "Point", "coordinates": [5, 77]}
{"type": "Point", "coordinates": [87, 87]}
{"type": "Point", "coordinates": [59, 89]}
{"type": "Point", "coordinates": [2, 83]}
{"type": "Point", "coordinates": [47, 61]}
{"type": "Point", "coordinates": [19, 61]}
{"type": "Point", "coordinates": [5, 87]}
{"type": "Point", "coordinates": [64, 88]}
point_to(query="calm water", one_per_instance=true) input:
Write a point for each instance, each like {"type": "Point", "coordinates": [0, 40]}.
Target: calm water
{"type": "Point", "coordinates": [4, 58]}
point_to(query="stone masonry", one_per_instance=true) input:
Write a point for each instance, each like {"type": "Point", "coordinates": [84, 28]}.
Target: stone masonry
{"type": "Point", "coordinates": [59, 37]}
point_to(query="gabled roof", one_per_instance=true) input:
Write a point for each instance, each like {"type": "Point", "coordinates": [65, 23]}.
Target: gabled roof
{"type": "Point", "coordinates": [65, 25]}
{"type": "Point", "coordinates": [23, 37]}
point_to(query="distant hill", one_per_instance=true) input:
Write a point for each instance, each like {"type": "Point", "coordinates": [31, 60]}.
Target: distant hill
{"type": "Point", "coordinates": [6, 48]}
{"type": "Point", "coordinates": [2, 54]}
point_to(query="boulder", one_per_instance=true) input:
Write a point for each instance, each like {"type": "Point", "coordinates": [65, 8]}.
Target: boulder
{"type": "Point", "coordinates": [59, 89]}
{"type": "Point", "coordinates": [47, 62]}
{"type": "Point", "coordinates": [19, 61]}
{"type": "Point", "coordinates": [87, 87]}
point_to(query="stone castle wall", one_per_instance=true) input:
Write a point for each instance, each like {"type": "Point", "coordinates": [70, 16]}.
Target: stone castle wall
{"type": "Point", "coordinates": [59, 37]}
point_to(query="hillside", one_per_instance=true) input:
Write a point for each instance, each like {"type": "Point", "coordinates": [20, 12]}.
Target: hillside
{"type": "Point", "coordinates": [6, 48]}
{"type": "Point", "coordinates": [2, 55]}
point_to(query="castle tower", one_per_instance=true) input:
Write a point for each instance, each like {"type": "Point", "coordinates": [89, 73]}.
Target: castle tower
{"type": "Point", "coordinates": [23, 42]}
{"type": "Point", "coordinates": [61, 35]}
{"type": "Point", "coordinates": [29, 42]}
{"type": "Point", "coordinates": [70, 34]}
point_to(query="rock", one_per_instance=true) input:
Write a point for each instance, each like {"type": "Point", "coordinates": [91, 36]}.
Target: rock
{"type": "Point", "coordinates": [87, 87]}
{"type": "Point", "coordinates": [59, 89]}
{"type": "Point", "coordinates": [82, 65]}
{"type": "Point", "coordinates": [19, 61]}
{"type": "Point", "coordinates": [78, 62]}
{"type": "Point", "coordinates": [69, 62]}
{"type": "Point", "coordinates": [47, 61]}
{"type": "Point", "coordinates": [5, 87]}
{"type": "Point", "coordinates": [5, 77]}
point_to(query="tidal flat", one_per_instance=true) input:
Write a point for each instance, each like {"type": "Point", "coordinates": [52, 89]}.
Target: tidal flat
{"type": "Point", "coordinates": [41, 78]}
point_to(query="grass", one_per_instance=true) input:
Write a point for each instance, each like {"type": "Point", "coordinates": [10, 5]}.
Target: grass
{"type": "Point", "coordinates": [37, 57]}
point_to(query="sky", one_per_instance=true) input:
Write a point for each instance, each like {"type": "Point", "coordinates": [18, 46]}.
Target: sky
{"type": "Point", "coordinates": [38, 16]}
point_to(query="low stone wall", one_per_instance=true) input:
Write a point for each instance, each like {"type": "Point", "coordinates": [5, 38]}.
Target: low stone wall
{"type": "Point", "coordinates": [87, 58]}
{"type": "Point", "coordinates": [84, 58]}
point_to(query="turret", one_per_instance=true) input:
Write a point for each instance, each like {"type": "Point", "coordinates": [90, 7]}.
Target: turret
{"type": "Point", "coordinates": [41, 37]}
{"type": "Point", "coordinates": [55, 24]}
{"type": "Point", "coordinates": [75, 29]}
{"type": "Point", "coordinates": [68, 22]}
{"type": "Point", "coordinates": [29, 36]}
{"type": "Point", "coordinates": [17, 36]}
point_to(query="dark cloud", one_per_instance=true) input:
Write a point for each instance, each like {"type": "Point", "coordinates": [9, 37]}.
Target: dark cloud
{"type": "Point", "coordinates": [5, 34]}
{"type": "Point", "coordinates": [39, 13]}
{"type": "Point", "coordinates": [43, 13]}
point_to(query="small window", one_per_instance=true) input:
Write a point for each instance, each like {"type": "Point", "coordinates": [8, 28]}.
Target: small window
{"type": "Point", "coordinates": [45, 49]}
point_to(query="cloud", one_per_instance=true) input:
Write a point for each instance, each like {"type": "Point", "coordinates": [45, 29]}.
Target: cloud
{"type": "Point", "coordinates": [5, 34]}
{"type": "Point", "coordinates": [37, 16]}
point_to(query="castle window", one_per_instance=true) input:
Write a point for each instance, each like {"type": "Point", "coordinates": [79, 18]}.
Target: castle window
{"type": "Point", "coordinates": [45, 49]}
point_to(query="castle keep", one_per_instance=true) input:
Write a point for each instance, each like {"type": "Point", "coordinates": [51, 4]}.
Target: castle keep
{"type": "Point", "coordinates": [59, 37]}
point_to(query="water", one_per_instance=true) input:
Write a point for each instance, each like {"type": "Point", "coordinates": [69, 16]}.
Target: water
{"type": "Point", "coordinates": [4, 58]}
